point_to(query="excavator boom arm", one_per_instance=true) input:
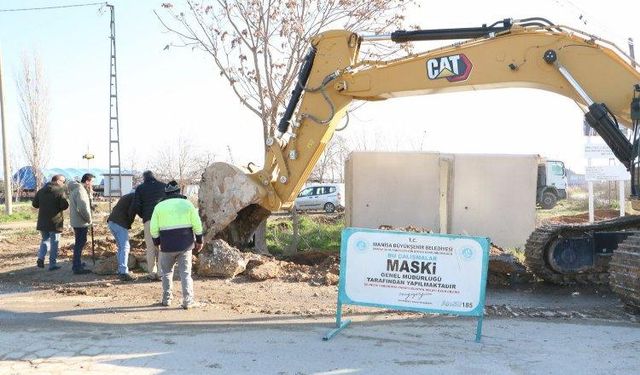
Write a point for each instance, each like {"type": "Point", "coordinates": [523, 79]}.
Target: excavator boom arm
{"type": "Point", "coordinates": [546, 58]}
{"type": "Point", "coordinates": [530, 53]}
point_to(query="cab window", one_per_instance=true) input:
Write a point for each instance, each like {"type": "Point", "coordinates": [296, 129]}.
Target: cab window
{"type": "Point", "coordinates": [306, 192]}
{"type": "Point", "coordinates": [557, 169]}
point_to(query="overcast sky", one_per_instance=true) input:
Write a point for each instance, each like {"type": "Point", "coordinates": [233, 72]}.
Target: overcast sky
{"type": "Point", "coordinates": [164, 94]}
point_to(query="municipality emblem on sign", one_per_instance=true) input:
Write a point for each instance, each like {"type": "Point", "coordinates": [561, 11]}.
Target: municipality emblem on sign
{"type": "Point", "coordinates": [467, 253]}
{"type": "Point", "coordinates": [361, 245]}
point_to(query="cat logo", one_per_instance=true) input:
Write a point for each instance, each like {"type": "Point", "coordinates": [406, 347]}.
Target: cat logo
{"type": "Point", "coordinates": [454, 68]}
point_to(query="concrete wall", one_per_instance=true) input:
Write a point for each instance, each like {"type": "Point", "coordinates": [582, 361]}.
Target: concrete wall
{"type": "Point", "coordinates": [483, 195]}
{"type": "Point", "coordinates": [495, 196]}
{"type": "Point", "coordinates": [384, 188]}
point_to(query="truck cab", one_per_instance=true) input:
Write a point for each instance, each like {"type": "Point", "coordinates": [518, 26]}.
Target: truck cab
{"type": "Point", "coordinates": [552, 183]}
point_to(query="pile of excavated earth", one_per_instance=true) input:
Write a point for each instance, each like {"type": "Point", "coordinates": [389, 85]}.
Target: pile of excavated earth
{"type": "Point", "coordinates": [504, 267]}
{"type": "Point", "coordinates": [219, 259]}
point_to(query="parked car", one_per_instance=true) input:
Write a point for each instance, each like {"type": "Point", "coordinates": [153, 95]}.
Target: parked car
{"type": "Point", "coordinates": [327, 197]}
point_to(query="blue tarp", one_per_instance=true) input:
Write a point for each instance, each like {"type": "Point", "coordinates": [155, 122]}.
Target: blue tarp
{"type": "Point", "coordinates": [26, 176]}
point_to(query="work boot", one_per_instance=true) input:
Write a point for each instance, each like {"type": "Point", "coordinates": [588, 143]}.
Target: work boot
{"type": "Point", "coordinates": [190, 305]}
{"type": "Point", "coordinates": [82, 271]}
{"type": "Point", "coordinates": [166, 302]}
{"type": "Point", "coordinates": [126, 277]}
{"type": "Point", "coordinates": [54, 267]}
{"type": "Point", "coordinates": [40, 263]}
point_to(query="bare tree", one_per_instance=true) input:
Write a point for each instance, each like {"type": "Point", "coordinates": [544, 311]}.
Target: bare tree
{"type": "Point", "coordinates": [33, 100]}
{"type": "Point", "coordinates": [330, 166]}
{"type": "Point", "coordinates": [258, 46]}
{"type": "Point", "coordinates": [131, 163]}
{"type": "Point", "coordinates": [16, 183]}
{"type": "Point", "coordinates": [230, 158]}
{"type": "Point", "coordinates": [181, 161]}
{"type": "Point", "coordinates": [419, 145]}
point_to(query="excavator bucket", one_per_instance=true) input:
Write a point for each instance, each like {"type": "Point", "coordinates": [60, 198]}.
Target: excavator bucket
{"type": "Point", "coordinates": [229, 204]}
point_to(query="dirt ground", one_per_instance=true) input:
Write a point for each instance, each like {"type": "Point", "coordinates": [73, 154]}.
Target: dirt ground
{"type": "Point", "coordinates": [302, 291]}
{"type": "Point", "coordinates": [56, 322]}
{"type": "Point", "coordinates": [598, 215]}
{"type": "Point", "coordinates": [18, 249]}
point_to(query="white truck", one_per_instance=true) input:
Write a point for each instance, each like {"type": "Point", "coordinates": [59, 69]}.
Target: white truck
{"type": "Point", "coordinates": [552, 183]}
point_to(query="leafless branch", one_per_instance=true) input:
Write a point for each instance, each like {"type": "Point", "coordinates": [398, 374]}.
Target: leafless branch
{"type": "Point", "coordinates": [258, 45]}
{"type": "Point", "coordinates": [33, 101]}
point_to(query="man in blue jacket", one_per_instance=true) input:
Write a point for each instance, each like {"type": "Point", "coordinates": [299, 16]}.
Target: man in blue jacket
{"type": "Point", "coordinates": [174, 223]}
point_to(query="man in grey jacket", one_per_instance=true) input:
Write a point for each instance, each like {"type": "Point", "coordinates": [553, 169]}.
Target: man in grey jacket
{"type": "Point", "coordinates": [80, 218]}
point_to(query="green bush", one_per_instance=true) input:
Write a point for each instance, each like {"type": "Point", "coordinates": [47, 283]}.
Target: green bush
{"type": "Point", "coordinates": [316, 233]}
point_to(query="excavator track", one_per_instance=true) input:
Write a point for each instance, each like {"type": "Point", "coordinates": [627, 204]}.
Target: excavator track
{"type": "Point", "coordinates": [544, 237]}
{"type": "Point", "coordinates": [624, 270]}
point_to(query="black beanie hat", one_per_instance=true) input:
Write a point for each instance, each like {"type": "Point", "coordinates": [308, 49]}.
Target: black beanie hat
{"type": "Point", "coordinates": [172, 187]}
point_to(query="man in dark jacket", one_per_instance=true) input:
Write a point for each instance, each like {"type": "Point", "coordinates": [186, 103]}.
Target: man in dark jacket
{"type": "Point", "coordinates": [147, 195]}
{"type": "Point", "coordinates": [50, 202]}
{"type": "Point", "coordinates": [119, 223]}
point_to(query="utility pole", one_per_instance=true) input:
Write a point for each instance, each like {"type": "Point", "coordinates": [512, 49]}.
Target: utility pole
{"type": "Point", "coordinates": [5, 152]}
{"type": "Point", "coordinates": [115, 172]}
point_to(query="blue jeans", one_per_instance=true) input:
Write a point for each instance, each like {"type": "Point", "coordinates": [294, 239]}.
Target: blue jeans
{"type": "Point", "coordinates": [50, 242]}
{"type": "Point", "coordinates": [81, 240]}
{"type": "Point", "coordinates": [121, 234]}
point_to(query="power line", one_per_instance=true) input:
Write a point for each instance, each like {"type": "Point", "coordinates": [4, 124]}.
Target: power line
{"type": "Point", "coordinates": [593, 23]}
{"type": "Point", "coordinates": [51, 7]}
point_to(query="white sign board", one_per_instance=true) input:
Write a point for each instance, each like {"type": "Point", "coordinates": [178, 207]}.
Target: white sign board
{"type": "Point", "coordinates": [607, 173]}
{"type": "Point", "coordinates": [598, 151]}
{"type": "Point", "coordinates": [417, 271]}
{"type": "Point", "coordinates": [412, 271]}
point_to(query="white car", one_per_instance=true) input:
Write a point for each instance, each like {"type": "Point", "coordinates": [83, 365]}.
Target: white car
{"type": "Point", "coordinates": [327, 197]}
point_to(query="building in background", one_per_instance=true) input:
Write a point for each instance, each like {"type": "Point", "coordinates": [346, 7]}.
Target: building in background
{"type": "Point", "coordinates": [24, 179]}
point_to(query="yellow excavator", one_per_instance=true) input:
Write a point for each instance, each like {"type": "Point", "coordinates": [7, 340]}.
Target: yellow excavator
{"type": "Point", "coordinates": [534, 53]}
